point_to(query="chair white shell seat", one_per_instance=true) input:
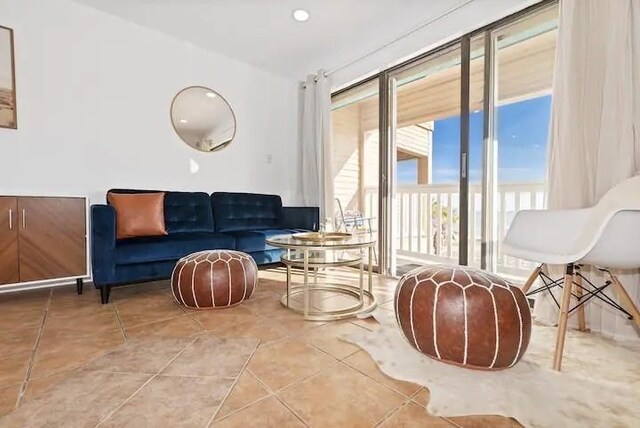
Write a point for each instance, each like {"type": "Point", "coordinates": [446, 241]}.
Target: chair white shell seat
{"type": "Point", "coordinates": [607, 234]}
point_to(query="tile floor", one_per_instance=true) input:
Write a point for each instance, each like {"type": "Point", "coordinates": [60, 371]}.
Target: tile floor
{"type": "Point", "coordinates": [301, 374]}
{"type": "Point", "coordinates": [152, 381]}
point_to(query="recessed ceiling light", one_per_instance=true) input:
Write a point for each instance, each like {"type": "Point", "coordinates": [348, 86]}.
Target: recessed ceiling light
{"type": "Point", "coordinates": [300, 15]}
{"type": "Point", "coordinates": [211, 95]}
{"type": "Point", "coordinates": [183, 121]}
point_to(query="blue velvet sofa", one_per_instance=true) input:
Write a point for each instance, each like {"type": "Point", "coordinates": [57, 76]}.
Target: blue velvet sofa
{"type": "Point", "coordinates": [195, 221]}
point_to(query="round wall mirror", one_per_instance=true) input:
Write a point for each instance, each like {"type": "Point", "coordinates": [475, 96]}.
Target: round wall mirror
{"type": "Point", "coordinates": [203, 119]}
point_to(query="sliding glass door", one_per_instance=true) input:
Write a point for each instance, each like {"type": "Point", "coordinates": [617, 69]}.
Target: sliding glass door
{"type": "Point", "coordinates": [522, 56]}
{"type": "Point", "coordinates": [356, 159]}
{"type": "Point", "coordinates": [440, 152]}
{"type": "Point", "coordinates": [424, 107]}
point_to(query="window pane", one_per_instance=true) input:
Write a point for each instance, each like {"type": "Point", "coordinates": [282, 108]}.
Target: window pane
{"type": "Point", "coordinates": [427, 151]}
{"type": "Point", "coordinates": [525, 57]}
{"type": "Point", "coordinates": [355, 152]}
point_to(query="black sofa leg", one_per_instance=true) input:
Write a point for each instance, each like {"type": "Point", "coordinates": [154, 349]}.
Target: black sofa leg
{"type": "Point", "coordinates": [105, 291]}
{"type": "Point", "coordinates": [79, 285]}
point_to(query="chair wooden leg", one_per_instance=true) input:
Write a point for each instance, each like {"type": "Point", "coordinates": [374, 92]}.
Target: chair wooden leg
{"type": "Point", "coordinates": [532, 278]}
{"type": "Point", "coordinates": [577, 288]}
{"type": "Point", "coordinates": [625, 300]}
{"type": "Point", "coordinates": [564, 316]}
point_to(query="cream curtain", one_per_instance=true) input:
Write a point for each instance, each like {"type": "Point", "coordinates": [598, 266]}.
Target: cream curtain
{"type": "Point", "coordinates": [595, 129]}
{"type": "Point", "coordinates": [315, 133]}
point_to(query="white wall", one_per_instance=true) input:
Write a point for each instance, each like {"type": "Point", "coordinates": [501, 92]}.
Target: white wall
{"type": "Point", "coordinates": [93, 110]}
{"type": "Point", "coordinates": [466, 19]}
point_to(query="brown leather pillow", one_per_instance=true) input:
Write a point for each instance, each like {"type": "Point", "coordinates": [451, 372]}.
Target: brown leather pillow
{"type": "Point", "coordinates": [138, 214]}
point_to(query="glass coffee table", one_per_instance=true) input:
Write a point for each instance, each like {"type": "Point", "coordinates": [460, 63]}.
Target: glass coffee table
{"type": "Point", "coordinates": [310, 253]}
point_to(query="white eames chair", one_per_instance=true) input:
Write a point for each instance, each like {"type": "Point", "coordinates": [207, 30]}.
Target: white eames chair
{"type": "Point", "coordinates": [606, 236]}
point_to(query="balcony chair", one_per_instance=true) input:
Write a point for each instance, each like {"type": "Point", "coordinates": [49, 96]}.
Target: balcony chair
{"type": "Point", "coordinates": [353, 221]}
{"type": "Point", "coordinates": [605, 236]}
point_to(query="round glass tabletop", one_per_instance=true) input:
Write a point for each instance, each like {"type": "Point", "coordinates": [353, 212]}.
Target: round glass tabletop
{"type": "Point", "coordinates": [359, 240]}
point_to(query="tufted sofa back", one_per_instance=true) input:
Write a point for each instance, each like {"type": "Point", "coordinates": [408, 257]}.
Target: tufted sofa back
{"type": "Point", "coordinates": [246, 211]}
{"type": "Point", "coordinates": [183, 211]}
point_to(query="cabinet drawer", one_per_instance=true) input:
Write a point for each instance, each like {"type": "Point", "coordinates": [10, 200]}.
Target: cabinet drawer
{"type": "Point", "coordinates": [52, 237]}
{"type": "Point", "coordinates": [9, 258]}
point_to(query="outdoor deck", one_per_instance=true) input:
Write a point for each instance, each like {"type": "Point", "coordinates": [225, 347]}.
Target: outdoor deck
{"type": "Point", "coordinates": [423, 210]}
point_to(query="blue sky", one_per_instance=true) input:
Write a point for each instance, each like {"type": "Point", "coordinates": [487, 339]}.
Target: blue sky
{"type": "Point", "coordinates": [522, 145]}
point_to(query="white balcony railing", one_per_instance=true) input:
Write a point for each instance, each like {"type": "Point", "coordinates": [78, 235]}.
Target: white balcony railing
{"type": "Point", "coordinates": [427, 221]}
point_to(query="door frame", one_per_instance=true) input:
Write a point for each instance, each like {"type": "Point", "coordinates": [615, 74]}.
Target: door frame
{"type": "Point", "coordinates": [391, 152]}
{"type": "Point", "coordinates": [386, 143]}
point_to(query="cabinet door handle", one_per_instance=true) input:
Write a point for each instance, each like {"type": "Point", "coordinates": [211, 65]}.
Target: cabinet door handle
{"type": "Point", "coordinates": [10, 219]}
{"type": "Point", "coordinates": [24, 218]}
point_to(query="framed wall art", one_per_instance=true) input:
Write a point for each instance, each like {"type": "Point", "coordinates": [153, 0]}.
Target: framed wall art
{"type": "Point", "coordinates": [8, 113]}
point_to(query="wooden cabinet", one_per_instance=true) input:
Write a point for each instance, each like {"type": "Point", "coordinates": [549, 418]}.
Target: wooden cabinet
{"type": "Point", "coordinates": [42, 238]}
{"type": "Point", "coordinates": [9, 257]}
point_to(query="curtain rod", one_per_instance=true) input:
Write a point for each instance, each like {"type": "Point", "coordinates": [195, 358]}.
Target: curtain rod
{"type": "Point", "coordinates": [303, 84]}
{"type": "Point", "coordinates": [389, 43]}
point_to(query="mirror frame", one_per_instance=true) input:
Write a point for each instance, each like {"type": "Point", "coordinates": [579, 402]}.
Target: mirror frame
{"type": "Point", "coordinates": [233, 114]}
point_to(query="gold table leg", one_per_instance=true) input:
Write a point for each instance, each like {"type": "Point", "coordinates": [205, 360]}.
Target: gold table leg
{"type": "Point", "coordinates": [288, 284]}
{"type": "Point", "coordinates": [306, 282]}
{"type": "Point", "coordinates": [288, 278]}
{"type": "Point", "coordinates": [364, 300]}
{"type": "Point", "coordinates": [361, 277]}
{"type": "Point", "coordinates": [371, 269]}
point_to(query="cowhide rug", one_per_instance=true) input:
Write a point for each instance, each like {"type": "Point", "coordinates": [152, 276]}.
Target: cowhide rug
{"type": "Point", "coordinates": [599, 385]}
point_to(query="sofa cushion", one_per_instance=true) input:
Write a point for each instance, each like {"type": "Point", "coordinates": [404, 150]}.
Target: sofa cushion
{"type": "Point", "coordinates": [188, 212]}
{"type": "Point", "coordinates": [170, 247]}
{"type": "Point", "coordinates": [138, 214]}
{"type": "Point", "coordinates": [246, 211]}
{"type": "Point", "coordinates": [255, 240]}
{"type": "Point", "coordinates": [183, 211]}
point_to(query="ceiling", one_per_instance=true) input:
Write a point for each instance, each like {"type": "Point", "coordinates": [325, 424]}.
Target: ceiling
{"type": "Point", "coordinates": [263, 32]}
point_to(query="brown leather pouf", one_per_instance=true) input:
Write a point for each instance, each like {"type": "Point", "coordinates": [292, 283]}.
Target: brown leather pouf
{"type": "Point", "coordinates": [214, 279]}
{"type": "Point", "coordinates": [463, 316]}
